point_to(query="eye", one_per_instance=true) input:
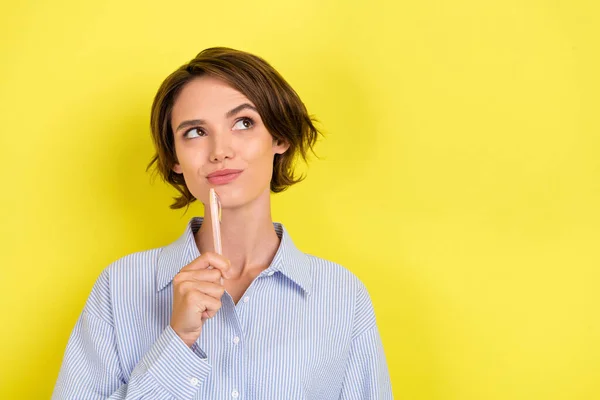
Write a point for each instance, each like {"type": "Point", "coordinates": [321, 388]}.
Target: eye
{"type": "Point", "coordinates": [244, 123]}
{"type": "Point", "coordinates": [194, 132]}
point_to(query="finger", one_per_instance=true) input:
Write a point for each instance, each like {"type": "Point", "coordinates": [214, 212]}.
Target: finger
{"type": "Point", "coordinates": [205, 303]}
{"type": "Point", "coordinates": [208, 314]}
{"type": "Point", "coordinates": [207, 259]}
{"type": "Point", "coordinates": [212, 289]}
{"type": "Point", "coordinates": [203, 275]}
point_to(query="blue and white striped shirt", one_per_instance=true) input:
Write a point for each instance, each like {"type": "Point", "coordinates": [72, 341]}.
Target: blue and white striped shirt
{"type": "Point", "coordinates": [304, 329]}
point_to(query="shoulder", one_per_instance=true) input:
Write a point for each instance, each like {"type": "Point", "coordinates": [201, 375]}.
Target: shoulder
{"type": "Point", "coordinates": [330, 273]}
{"type": "Point", "coordinates": [341, 289]}
{"type": "Point", "coordinates": [332, 278]}
{"type": "Point", "coordinates": [139, 262]}
{"type": "Point", "coordinates": [128, 274]}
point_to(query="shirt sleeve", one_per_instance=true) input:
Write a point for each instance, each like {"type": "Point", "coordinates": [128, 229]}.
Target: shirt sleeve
{"type": "Point", "coordinates": [91, 366]}
{"type": "Point", "coordinates": [367, 375]}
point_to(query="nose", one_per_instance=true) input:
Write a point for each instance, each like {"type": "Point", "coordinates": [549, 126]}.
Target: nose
{"type": "Point", "coordinates": [221, 146]}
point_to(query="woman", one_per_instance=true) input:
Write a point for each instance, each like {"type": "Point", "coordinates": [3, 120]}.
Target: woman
{"type": "Point", "coordinates": [283, 324]}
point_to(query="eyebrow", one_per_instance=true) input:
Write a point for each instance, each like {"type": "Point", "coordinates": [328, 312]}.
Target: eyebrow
{"type": "Point", "coordinates": [228, 114]}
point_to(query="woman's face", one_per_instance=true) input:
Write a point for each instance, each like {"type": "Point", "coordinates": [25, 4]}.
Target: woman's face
{"type": "Point", "coordinates": [215, 127]}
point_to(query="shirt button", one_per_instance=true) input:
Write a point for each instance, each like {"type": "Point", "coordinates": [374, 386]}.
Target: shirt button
{"type": "Point", "coordinates": [271, 273]}
{"type": "Point", "coordinates": [194, 381]}
{"type": "Point", "coordinates": [236, 340]}
{"type": "Point", "coordinates": [235, 394]}
{"type": "Point", "coordinates": [246, 299]}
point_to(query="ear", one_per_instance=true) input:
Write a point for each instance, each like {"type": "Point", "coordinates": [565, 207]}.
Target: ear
{"type": "Point", "coordinates": [279, 146]}
{"type": "Point", "coordinates": [177, 169]}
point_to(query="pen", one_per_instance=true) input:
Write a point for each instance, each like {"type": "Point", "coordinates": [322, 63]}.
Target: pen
{"type": "Point", "coordinates": [215, 213]}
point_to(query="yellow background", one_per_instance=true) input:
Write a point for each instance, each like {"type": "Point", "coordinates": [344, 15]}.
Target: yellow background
{"type": "Point", "coordinates": [460, 176]}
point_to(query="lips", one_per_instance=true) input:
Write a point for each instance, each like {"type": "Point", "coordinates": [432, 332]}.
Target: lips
{"type": "Point", "coordinates": [223, 176]}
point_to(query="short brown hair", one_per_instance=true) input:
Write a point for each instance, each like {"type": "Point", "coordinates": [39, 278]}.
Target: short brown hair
{"type": "Point", "coordinates": [279, 106]}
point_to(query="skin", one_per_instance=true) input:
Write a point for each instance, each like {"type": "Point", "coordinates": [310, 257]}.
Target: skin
{"type": "Point", "coordinates": [249, 241]}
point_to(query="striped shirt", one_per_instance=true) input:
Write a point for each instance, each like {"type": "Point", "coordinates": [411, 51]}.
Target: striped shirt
{"type": "Point", "coordinates": [304, 329]}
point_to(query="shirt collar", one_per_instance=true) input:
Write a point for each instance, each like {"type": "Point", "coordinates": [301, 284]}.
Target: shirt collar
{"type": "Point", "coordinates": [289, 260]}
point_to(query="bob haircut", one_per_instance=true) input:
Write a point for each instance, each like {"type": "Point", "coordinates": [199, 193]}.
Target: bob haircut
{"type": "Point", "coordinates": [278, 105]}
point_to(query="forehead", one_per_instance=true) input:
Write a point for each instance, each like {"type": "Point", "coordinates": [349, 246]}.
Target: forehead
{"type": "Point", "coordinates": [205, 97]}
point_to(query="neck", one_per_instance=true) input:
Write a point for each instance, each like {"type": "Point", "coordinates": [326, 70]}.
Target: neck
{"type": "Point", "coordinates": [248, 237]}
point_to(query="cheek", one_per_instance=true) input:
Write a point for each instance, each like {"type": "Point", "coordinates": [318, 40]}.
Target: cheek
{"type": "Point", "coordinates": [189, 157]}
{"type": "Point", "coordinates": [258, 151]}
{"type": "Point", "coordinates": [259, 156]}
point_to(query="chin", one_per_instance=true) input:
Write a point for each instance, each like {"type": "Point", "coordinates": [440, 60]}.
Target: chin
{"type": "Point", "coordinates": [239, 197]}
{"type": "Point", "coordinates": [227, 199]}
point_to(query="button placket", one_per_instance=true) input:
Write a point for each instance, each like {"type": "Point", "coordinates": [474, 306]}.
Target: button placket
{"type": "Point", "coordinates": [235, 378]}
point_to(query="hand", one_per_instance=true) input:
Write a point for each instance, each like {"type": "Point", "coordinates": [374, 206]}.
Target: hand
{"type": "Point", "coordinates": [197, 292]}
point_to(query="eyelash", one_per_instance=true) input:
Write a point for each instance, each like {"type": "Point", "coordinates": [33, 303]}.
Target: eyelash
{"type": "Point", "coordinates": [200, 130]}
